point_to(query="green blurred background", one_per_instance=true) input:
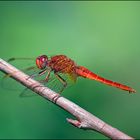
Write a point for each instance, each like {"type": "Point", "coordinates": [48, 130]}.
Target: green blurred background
{"type": "Point", "coordinates": [102, 36]}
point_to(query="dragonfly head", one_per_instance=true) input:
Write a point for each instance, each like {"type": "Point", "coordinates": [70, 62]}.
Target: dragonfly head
{"type": "Point", "coordinates": [42, 61]}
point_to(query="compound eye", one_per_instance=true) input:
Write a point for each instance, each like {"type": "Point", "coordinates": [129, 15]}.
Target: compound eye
{"type": "Point", "coordinates": [41, 61]}
{"type": "Point", "coordinates": [43, 58]}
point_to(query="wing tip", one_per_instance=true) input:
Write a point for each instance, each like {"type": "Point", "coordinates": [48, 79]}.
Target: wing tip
{"type": "Point", "coordinates": [11, 59]}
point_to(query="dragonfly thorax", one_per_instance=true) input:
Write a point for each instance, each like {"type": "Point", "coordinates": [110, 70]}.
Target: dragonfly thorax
{"type": "Point", "coordinates": [42, 61]}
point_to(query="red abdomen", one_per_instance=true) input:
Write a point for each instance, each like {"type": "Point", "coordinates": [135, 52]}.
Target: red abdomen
{"type": "Point", "coordinates": [84, 72]}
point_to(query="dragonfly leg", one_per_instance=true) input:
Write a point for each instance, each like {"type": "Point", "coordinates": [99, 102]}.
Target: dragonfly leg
{"type": "Point", "coordinates": [41, 81]}
{"type": "Point", "coordinates": [55, 98]}
{"type": "Point", "coordinates": [45, 80]}
{"type": "Point", "coordinates": [62, 81]}
{"type": "Point", "coordinates": [48, 75]}
{"type": "Point", "coordinates": [37, 74]}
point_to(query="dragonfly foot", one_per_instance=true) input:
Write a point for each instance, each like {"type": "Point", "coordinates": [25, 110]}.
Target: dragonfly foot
{"type": "Point", "coordinates": [31, 76]}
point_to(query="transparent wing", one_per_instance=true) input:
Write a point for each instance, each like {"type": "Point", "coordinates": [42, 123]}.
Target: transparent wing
{"type": "Point", "coordinates": [27, 65]}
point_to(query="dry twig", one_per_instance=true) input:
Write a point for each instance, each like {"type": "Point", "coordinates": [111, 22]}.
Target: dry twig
{"type": "Point", "coordinates": [85, 120]}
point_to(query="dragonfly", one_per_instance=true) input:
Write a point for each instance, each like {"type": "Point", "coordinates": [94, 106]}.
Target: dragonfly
{"type": "Point", "coordinates": [63, 65]}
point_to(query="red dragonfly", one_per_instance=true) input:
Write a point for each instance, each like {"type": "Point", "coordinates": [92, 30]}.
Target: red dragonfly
{"type": "Point", "coordinates": [61, 64]}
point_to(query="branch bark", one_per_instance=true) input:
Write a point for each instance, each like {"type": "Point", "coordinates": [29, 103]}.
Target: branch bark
{"type": "Point", "coordinates": [84, 119]}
